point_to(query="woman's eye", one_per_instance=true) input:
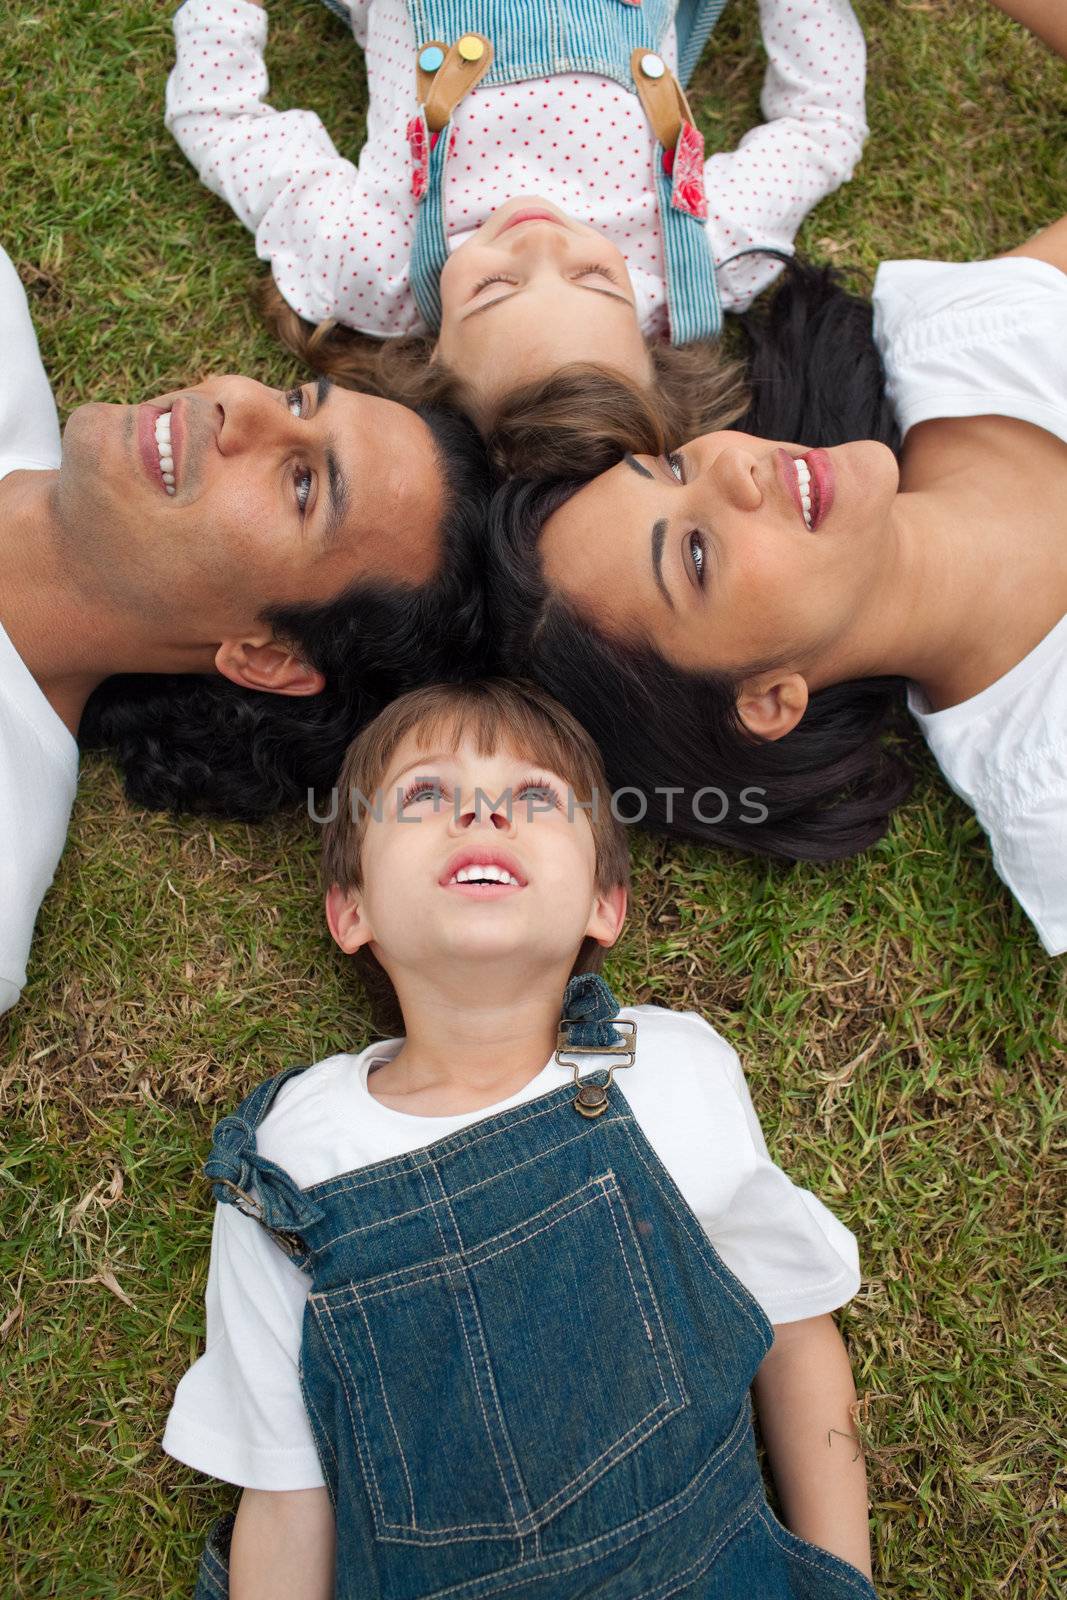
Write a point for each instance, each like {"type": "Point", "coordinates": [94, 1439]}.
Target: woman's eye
{"type": "Point", "coordinates": [676, 466]}
{"type": "Point", "coordinates": [696, 551]}
{"type": "Point", "coordinates": [302, 480]}
{"type": "Point", "coordinates": [294, 399]}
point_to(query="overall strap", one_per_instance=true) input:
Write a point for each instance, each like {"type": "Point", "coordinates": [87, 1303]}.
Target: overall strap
{"type": "Point", "coordinates": [693, 303]}
{"type": "Point", "coordinates": [694, 21]}
{"type": "Point", "coordinates": [444, 75]}
{"type": "Point", "coordinates": [240, 1176]}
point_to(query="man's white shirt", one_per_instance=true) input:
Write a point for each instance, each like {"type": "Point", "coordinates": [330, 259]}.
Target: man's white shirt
{"type": "Point", "coordinates": [38, 754]}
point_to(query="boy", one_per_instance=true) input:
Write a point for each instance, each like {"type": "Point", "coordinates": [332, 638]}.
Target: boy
{"type": "Point", "coordinates": [472, 1336]}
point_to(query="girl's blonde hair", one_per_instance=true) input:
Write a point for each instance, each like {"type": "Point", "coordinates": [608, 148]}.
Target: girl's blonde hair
{"type": "Point", "coordinates": [576, 423]}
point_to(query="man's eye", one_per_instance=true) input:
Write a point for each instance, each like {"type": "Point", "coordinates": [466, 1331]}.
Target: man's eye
{"type": "Point", "coordinates": [294, 399]}
{"type": "Point", "coordinates": [302, 480]}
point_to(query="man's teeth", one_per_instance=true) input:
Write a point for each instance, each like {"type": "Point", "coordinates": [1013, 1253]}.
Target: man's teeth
{"type": "Point", "coordinates": [804, 482]}
{"type": "Point", "coordinates": [166, 452]}
{"type": "Point", "coordinates": [483, 875]}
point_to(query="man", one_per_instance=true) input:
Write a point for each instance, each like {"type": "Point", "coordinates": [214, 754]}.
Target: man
{"type": "Point", "coordinates": [220, 584]}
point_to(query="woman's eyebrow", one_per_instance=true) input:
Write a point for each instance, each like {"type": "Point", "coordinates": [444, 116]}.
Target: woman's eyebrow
{"type": "Point", "coordinates": [322, 390]}
{"type": "Point", "coordinates": [637, 467]}
{"type": "Point", "coordinates": [659, 535]}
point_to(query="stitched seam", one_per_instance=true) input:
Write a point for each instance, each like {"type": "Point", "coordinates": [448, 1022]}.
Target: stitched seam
{"type": "Point", "coordinates": [850, 1575]}
{"type": "Point", "coordinates": [325, 1436]}
{"type": "Point", "coordinates": [652, 1296]}
{"type": "Point", "coordinates": [700, 1241]}
{"type": "Point", "coordinates": [389, 1413]}
{"type": "Point", "coordinates": [473, 1305]}
{"type": "Point", "coordinates": [358, 1432]}
{"type": "Point", "coordinates": [637, 1300]}
{"type": "Point", "coordinates": [639, 1524]}
{"type": "Point", "coordinates": [747, 1513]}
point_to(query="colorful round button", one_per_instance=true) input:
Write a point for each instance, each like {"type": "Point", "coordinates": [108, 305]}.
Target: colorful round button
{"type": "Point", "coordinates": [471, 47]}
{"type": "Point", "coordinates": [431, 57]}
{"type": "Point", "coordinates": [652, 66]}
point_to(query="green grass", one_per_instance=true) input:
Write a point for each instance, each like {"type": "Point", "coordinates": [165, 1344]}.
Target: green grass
{"type": "Point", "coordinates": [904, 1037]}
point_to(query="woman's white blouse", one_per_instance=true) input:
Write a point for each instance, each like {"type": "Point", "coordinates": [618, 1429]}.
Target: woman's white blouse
{"type": "Point", "coordinates": [338, 236]}
{"type": "Point", "coordinates": [238, 1413]}
{"type": "Point", "coordinates": [989, 338]}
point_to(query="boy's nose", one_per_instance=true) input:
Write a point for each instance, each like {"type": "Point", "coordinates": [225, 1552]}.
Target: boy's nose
{"type": "Point", "coordinates": [480, 810]}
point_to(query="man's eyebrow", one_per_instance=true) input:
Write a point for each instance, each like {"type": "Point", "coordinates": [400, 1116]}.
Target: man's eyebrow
{"type": "Point", "coordinates": [659, 534]}
{"type": "Point", "coordinates": [637, 467]}
{"type": "Point", "coordinates": [338, 494]}
{"type": "Point", "coordinates": [612, 294]}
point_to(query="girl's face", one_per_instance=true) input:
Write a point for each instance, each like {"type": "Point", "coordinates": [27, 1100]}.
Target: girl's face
{"type": "Point", "coordinates": [533, 290]}
{"type": "Point", "coordinates": [712, 556]}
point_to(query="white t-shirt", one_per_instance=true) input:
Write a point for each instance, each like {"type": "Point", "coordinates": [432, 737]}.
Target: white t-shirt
{"type": "Point", "coordinates": [238, 1413]}
{"type": "Point", "coordinates": [989, 338]}
{"type": "Point", "coordinates": [38, 754]}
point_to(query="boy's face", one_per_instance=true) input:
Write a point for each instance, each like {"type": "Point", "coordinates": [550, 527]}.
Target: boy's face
{"type": "Point", "coordinates": [478, 860]}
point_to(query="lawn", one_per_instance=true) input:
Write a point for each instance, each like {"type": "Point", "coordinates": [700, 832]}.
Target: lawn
{"type": "Point", "coordinates": [904, 1036]}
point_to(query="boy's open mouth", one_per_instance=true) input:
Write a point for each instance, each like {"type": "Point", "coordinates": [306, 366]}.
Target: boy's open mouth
{"type": "Point", "coordinates": [483, 874]}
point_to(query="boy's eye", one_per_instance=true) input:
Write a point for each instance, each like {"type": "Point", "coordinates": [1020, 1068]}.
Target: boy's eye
{"type": "Point", "coordinates": [496, 277]}
{"type": "Point", "coordinates": [598, 271]}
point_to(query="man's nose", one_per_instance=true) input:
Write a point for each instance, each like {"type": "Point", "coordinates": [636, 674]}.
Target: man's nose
{"type": "Point", "coordinates": [253, 415]}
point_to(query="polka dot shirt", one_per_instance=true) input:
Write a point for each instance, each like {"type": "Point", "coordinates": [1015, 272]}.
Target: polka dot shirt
{"type": "Point", "coordinates": [338, 234]}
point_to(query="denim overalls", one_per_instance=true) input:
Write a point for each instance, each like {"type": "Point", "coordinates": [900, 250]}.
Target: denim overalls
{"type": "Point", "coordinates": [526, 1369]}
{"type": "Point", "coordinates": [546, 38]}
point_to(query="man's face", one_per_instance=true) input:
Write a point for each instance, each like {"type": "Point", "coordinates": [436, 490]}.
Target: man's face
{"type": "Point", "coordinates": [278, 498]}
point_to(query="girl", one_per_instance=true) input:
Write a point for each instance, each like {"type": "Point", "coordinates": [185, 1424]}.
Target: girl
{"type": "Point", "coordinates": [487, 1325]}
{"type": "Point", "coordinates": [752, 607]}
{"type": "Point", "coordinates": [532, 194]}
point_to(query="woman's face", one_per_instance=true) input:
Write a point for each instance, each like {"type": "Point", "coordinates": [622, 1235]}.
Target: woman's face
{"type": "Point", "coordinates": [713, 556]}
{"type": "Point", "coordinates": [533, 290]}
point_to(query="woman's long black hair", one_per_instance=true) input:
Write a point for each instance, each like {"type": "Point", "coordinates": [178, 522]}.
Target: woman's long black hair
{"type": "Point", "coordinates": [192, 743]}
{"type": "Point", "coordinates": [825, 790]}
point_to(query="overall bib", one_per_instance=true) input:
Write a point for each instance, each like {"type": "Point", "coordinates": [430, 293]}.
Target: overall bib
{"type": "Point", "coordinates": [546, 38]}
{"type": "Point", "coordinates": [526, 1369]}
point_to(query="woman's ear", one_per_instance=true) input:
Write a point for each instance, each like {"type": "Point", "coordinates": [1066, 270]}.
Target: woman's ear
{"type": "Point", "coordinates": [347, 919]}
{"type": "Point", "coordinates": [266, 664]}
{"type": "Point", "coordinates": [771, 705]}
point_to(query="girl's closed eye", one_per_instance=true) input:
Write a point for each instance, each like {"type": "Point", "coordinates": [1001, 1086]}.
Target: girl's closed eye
{"type": "Point", "coordinates": [597, 270]}
{"type": "Point", "coordinates": [496, 277]}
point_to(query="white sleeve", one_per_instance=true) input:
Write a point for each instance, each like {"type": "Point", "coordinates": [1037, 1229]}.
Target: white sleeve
{"type": "Point", "coordinates": [278, 170]}
{"type": "Point", "coordinates": [29, 427]}
{"type": "Point", "coordinates": [238, 1413]}
{"type": "Point", "coordinates": [791, 1253]}
{"type": "Point", "coordinates": [813, 136]}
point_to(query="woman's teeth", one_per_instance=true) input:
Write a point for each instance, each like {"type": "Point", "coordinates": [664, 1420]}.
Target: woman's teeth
{"type": "Point", "coordinates": [166, 452]}
{"type": "Point", "coordinates": [804, 484]}
{"type": "Point", "coordinates": [483, 875]}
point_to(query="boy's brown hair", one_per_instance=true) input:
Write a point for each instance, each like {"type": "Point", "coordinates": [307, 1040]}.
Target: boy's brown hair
{"type": "Point", "coordinates": [493, 713]}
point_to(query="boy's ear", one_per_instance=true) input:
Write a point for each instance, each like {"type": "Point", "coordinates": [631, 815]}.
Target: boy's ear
{"type": "Point", "coordinates": [347, 919]}
{"type": "Point", "coordinates": [265, 664]}
{"type": "Point", "coordinates": [771, 705]}
{"type": "Point", "coordinates": [609, 914]}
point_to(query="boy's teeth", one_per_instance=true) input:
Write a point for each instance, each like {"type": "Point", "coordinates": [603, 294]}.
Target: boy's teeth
{"type": "Point", "coordinates": [483, 875]}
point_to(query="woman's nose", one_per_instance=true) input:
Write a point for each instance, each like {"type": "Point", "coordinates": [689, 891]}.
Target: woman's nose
{"type": "Point", "coordinates": [733, 473]}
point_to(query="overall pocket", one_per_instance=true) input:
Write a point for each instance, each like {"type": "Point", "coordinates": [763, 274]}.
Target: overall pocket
{"type": "Point", "coordinates": [485, 1391]}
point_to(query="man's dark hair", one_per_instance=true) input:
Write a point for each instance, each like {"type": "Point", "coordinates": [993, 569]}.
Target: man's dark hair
{"type": "Point", "coordinates": [830, 785]}
{"type": "Point", "coordinates": [199, 743]}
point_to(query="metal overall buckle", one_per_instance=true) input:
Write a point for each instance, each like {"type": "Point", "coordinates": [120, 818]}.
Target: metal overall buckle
{"type": "Point", "coordinates": [592, 1098]}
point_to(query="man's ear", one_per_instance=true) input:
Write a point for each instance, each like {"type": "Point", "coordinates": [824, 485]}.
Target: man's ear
{"type": "Point", "coordinates": [771, 706]}
{"type": "Point", "coordinates": [609, 914]}
{"type": "Point", "coordinates": [347, 919]}
{"type": "Point", "coordinates": [268, 665]}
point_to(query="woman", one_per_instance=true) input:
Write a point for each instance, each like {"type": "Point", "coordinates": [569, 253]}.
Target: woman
{"type": "Point", "coordinates": [737, 616]}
